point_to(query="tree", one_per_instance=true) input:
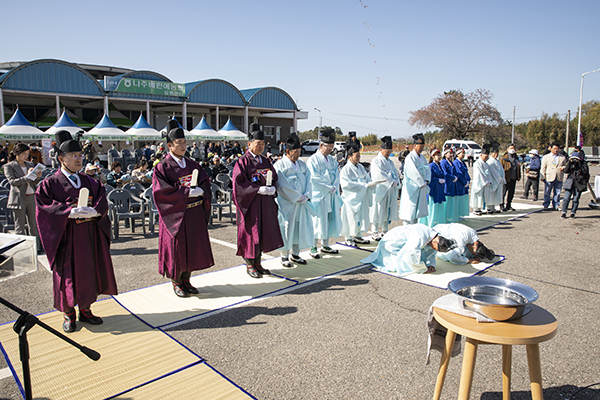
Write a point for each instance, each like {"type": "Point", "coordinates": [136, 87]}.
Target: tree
{"type": "Point", "coordinates": [313, 134]}
{"type": "Point", "coordinates": [459, 115]}
{"type": "Point", "coordinates": [590, 124]}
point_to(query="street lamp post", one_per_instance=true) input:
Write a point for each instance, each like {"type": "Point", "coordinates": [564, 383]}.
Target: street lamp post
{"type": "Point", "coordinates": [320, 122]}
{"type": "Point", "coordinates": [579, 137]}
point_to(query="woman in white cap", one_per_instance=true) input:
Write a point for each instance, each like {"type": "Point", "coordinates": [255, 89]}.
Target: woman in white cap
{"type": "Point", "coordinates": [533, 175]}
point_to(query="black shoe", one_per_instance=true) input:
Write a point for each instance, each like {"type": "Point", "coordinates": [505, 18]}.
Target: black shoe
{"type": "Point", "coordinates": [360, 240]}
{"type": "Point", "coordinates": [253, 272]}
{"type": "Point", "coordinates": [510, 208]}
{"type": "Point", "coordinates": [572, 216]}
{"type": "Point", "coordinates": [69, 323]}
{"type": "Point", "coordinates": [286, 262]}
{"type": "Point", "coordinates": [261, 270]}
{"type": "Point", "coordinates": [564, 216]}
{"type": "Point", "coordinates": [523, 197]}
{"type": "Point", "coordinates": [329, 250]}
{"type": "Point", "coordinates": [187, 287]}
{"type": "Point", "coordinates": [314, 253]}
{"type": "Point", "coordinates": [297, 259]}
{"type": "Point", "coordinates": [85, 315]}
{"type": "Point", "coordinates": [179, 291]}
{"type": "Point", "coordinates": [535, 199]}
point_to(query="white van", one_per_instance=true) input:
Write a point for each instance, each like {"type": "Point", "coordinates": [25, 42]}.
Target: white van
{"type": "Point", "coordinates": [465, 144]}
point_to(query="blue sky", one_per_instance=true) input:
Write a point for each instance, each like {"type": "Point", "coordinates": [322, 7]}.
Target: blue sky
{"type": "Point", "coordinates": [364, 64]}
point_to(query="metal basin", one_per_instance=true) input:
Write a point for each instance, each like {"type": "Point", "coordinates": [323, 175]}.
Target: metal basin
{"type": "Point", "coordinates": [495, 298]}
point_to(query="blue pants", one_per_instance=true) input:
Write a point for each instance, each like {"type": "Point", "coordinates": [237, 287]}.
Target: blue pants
{"type": "Point", "coordinates": [576, 195]}
{"type": "Point", "coordinates": [555, 186]}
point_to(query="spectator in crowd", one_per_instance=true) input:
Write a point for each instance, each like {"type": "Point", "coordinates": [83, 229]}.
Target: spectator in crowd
{"type": "Point", "coordinates": [281, 147]}
{"type": "Point", "coordinates": [575, 183]}
{"type": "Point", "coordinates": [153, 147]}
{"type": "Point", "coordinates": [218, 150]}
{"type": "Point", "coordinates": [552, 173]}
{"type": "Point", "coordinates": [385, 196]}
{"type": "Point", "coordinates": [498, 180]}
{"type": "Point", "coordinates": [217, 168]}
{"type": "Point", "coordinates": [115, 176]}
{"type": "Point", "coordinates": [195, 152]}
{"type": "Point", "coordinates": [89, 152]}
{"type": "Point", "coordinates": [436, 202]}
{"type": "Point", "coordinates": [54, 156]}
{"type": "Point", "coordinates": [93, 171]}
{"type": "Point", "coordinates": [35, 155]}
{"type": "Point", "coordinates": [470, 153]}
{"type": "Point", "coordinates": [21, 199]}
{"type": "Point", "coordinates": [148, 151]}
{"type": "Point", "coordinates": [3, 155]}
{"type": "Point", "coordinates": [481, 183]}
{"type": "Point", "coordinates": [141, 174]}
{"type": "Point", "coordinates": [413, 201]}
{"type": "Point", "coordinates": [236, 149]}
{"type": "Point", "coordinates": [533, 175]}
{"type": "Point", "coordinates": [269, 148]}
{"type": "Point", "coordinates": [512, 172]}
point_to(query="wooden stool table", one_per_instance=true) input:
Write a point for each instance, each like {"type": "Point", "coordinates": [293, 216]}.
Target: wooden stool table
{"type": "Point", "coordinates": [531, 329]}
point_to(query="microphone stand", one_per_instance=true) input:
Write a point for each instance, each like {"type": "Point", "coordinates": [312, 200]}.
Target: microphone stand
{"type": "Point", "coordinates": [24, 323]}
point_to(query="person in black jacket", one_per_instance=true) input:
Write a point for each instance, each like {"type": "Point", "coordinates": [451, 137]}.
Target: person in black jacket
{"type": "Point", "coordinates": [575, 183]}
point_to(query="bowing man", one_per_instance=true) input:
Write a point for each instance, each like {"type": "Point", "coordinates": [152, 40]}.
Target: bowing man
{"type": "Point", "coordinates": [295, 210]}
{"type": "Point", "coordinates": [462, 186]}
{"type": "Point", "coordinates": [413, 201]}
{"type": "Point", "coordinates": [325, 179]}
{"type": "Point", "coordinates": [469, 249]}
{"type": "Point", "coordinates": [481, 181]}
{"type": "Point", "coordinates": [385, 195]}
{"type": "Point", "coordinates": [254, 197]}
{"type": "Point", "coordinates": [436, 202]}
{"type": "Point", "coordinates": [357, 196]}
{"type": "Point", "coordinates": [184, 208]}
{"type": "Point", "coordinates": [75, 237]}
{"type": "Point", "coordinates": [407, 249]}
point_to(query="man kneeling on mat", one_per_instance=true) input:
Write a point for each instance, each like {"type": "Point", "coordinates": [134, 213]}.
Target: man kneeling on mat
{"type": "Point", "coordinates": [468, 250]}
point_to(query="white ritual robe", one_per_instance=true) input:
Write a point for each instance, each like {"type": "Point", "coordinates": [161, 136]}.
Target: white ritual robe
{"type": "Point", "coordinates": [498, 180]}
{"type": "Point", "coordinates": [413, 201]}
{"type": "Point", "coordinates": [463, 235]}
{"type": "Point", "coordinates": [357, 200]}
{"type": "Point", "coordinates": [324, 175]}
{"type": "Point", "coordinates": [385, 195]}
{"type": "Point", "coordinates": [295, 218]}
{"type": "Point", "coordinates": [480, 185]}
{"type": "Point", "coordinates": [404, 250]}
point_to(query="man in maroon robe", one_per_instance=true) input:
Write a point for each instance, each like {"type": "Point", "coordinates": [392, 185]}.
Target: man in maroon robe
{"type": "Point", "coordinates": [258, 226]}
{"type": "Point", "coordinates": [184, 209]}
{"type": "Point", "coordinates": [76, 239]}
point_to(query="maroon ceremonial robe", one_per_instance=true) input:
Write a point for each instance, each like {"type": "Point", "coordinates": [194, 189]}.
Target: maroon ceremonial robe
{"type": "Point", "coordinates": [78, 249]}
{"type": "Point", "coordinates": [258, 226]}
{"type": "Point", "coordinates": [183, 242]}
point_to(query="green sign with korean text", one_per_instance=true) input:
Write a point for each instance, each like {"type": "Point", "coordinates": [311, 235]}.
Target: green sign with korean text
{"type": "Point", "coordinates": [144, 86]}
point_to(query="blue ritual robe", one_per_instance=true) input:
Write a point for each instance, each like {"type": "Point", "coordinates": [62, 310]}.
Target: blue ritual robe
{"type": "Point", "coordinates": [480, 185]}
{"type": "Point", "coordinates": [450, 190]}
{"type": "Point", "coordinates": [436, 202]}
{"type": "Point", "coordinates": [357, 199]}
{"type": "Point", "coordinates": [462, 187]}
{"type": "Point", "coordinates": [498, 179]}
{"type": "Point", "coordinates": [324, 175]}
{"type": "Point", "coordinates": [463, 235]}
{"type": "Point", "coordinates": [404, 250]}
{"type": "Point", "coordinates": [413, 201]}
{"type": "Point", "coordinates": [295, 218]}
{"type": "Point", "coordinates": [385, 195]}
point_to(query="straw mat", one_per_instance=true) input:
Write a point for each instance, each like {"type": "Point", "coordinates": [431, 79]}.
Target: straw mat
{"type": "Point", "coordinates": [199, 381]}
{"type": "Point", "coordinates": [132, 353]}
{"type": "Point", "coordinates": [158, 306]}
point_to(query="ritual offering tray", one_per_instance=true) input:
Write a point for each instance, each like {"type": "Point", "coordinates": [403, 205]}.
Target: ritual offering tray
{"type": "Point", "coordinates": [495, 298]}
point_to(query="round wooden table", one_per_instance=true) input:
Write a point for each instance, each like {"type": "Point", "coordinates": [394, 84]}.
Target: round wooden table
{"type": "Point", "coordinates": [535, 327]}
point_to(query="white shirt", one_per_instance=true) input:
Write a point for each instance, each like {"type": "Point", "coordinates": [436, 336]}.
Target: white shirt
{"type": "Point", "coordinates": [76, 184]}
{"type": "Point", "coordinates": [179, 161]}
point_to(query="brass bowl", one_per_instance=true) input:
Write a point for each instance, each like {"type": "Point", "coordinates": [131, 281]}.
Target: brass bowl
{"type": "Point", "coordinates": [495, 298]}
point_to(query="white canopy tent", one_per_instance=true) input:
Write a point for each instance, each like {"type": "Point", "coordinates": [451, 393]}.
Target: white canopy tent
{"type": "Point", "coordinates": [203, 131]}
{"type": "Point", "coordinates": [230, 132]}
{"type": "Point", "coordinates": [64, 123]}
{"type": "Point", "coordinates": [18, 128]}
{"type": "Point", "coordinates": [142, 131]}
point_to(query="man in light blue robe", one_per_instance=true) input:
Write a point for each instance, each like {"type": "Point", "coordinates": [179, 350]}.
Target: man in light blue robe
{"type": "Point", "coordinates": [326, 200]}
{"type": "Point", "coordinates": [480, 185]}
{"type": "Point", "coordinates": [295, 209]}
{"type": "Point", "coordinates": [357, 196]}
{"type": "Point", "coordinates": [407, 249]}
{"type": "Point", "coordinates": [468, 250]}
{"type": "Point", "coordinates": [413, 201]}
{"type": "Point", "coordinates": [385, 195]}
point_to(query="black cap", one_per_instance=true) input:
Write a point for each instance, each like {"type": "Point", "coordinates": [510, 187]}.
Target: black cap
{"type": "Point", "coordinates": [418, 138]}
{"type": "Point", "coordinates": [256, 133]}
{"type": "Point", "coordinates": [292, 142]}
{"type": "Point", "coordinates": [65, 143]}
{"type": "Point", "coordinates": [352, 147]}
{"type": "Point", "coordinates": [386, 142]}
{"type": "Point", "coordinates": [174, 131]}
{"type": "Point", "coordinates": [327, 136]}
{"type": "Point", "coordinates": [351, 134]}
{"type": "Point", "coordinates": [486, 149]}
{"type": "Point", "coordinates": [445, 245]}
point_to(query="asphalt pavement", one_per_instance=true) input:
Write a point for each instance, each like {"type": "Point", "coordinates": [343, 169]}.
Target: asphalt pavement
{"type": "Point", "coordinates": [362, 335]}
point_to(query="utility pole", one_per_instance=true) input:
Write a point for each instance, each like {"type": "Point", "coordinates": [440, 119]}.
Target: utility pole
{"type": "Point", "coordinates": [512, 138]}
{"type": "Point", "coordinates": [567, 139]}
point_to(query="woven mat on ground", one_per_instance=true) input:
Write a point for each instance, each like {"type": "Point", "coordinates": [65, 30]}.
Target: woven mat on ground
{"type": "Point", "coordinates": [132, 353]}
{"type": "Point", "coordinates": [479, 222]}
{"type": "Point", "coordinates": [328, 264]}
{"type": "Point", "coordinates": [446, 272]}
{"type": "Point", "coordinates": [199, 381]}
{"type": "Point", "coordinates": [158, 306]}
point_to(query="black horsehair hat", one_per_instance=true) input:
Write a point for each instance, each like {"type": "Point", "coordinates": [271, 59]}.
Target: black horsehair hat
{"type": "Point", "coordinates": [174, 131]}
{"type": "Point", "coordinates": [386, 143]}
{"type": "Point", "coordinates": [327, 136]}
{"type": "Point", "coordinates": [292, 142]}
{"type": "Point", "coordinates": [352, 147]}
{"type": "Point", "coordinates": [418, 138]}
{"type": "Point", "coordinates": [256, 133]}
{"type": "Point", "coordinates": [351, 134]}
{"type": "Point", "coordinates": [485, 149]}
{"type": "Point", "coordinates": [484, 253]}
{"type": "Point", "coordinates": [65, 143]}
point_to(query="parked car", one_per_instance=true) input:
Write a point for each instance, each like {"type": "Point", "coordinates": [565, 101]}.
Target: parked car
{"type": "Point", "coordinates": [339, 147]}
{"type": "Point", "coordinates": [310, 146]}
{"type": "Point", "coordinates": [465, 144]}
